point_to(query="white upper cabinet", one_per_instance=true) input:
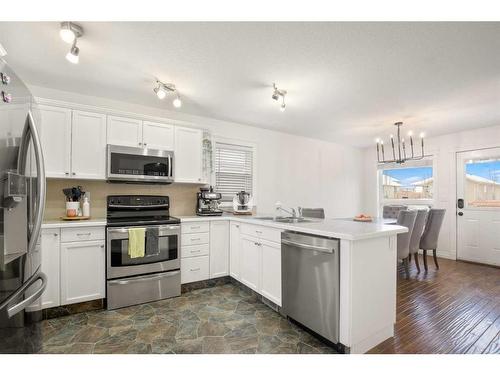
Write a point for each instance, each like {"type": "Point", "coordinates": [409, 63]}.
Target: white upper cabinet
{"type": "Point", "coordinates": [55, 134]}
{"type": "Point", "coordinates": [188, 155]}
{"type": "Point", "coordinates": [124, 131]}
{"type": "Point", "coordinates": [219, 248]}
{"type": "Point", "coordinates": [88, 145]}
{"type": "Point", "coordinates": [158, 136]}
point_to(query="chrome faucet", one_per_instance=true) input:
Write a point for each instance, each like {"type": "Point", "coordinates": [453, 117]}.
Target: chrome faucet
{"type": "Point", "coordinates": [291, 211]}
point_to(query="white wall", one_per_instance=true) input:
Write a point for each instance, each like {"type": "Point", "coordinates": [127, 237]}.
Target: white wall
{"type": "Point", "coordinates": [297, 171]}
{"type": "Point", "coordinates": [444, 148]}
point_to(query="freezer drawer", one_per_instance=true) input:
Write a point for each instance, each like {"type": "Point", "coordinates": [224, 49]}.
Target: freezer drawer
{"type": "Point", "coordinates": [311, 278]}
{"type": "Point", "coordinates": [141, 289]}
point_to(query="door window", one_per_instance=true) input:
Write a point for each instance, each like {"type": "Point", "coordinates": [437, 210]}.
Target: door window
{"type": "Point", "coordinates": [482, 182]}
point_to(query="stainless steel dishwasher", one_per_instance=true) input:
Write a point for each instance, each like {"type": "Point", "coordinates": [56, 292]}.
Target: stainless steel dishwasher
{"type": "Point", "coordinates": [311, 278]}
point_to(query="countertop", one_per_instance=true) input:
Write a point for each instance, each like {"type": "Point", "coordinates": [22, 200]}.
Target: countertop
{"type": "Point", "coordinates": [345, 229]}
{"type": "Point", "coordinates": [53, 224]}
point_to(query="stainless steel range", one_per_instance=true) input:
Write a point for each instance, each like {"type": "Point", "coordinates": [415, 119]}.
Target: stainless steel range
{"type": "Point", "coordinates": [153, 273]}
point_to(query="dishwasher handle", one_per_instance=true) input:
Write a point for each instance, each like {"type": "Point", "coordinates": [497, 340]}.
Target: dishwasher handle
{"type": "Point", "coordinates": [307, 246]}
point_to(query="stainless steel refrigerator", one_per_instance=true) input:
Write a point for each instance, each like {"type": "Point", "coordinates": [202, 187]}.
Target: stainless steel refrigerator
{"type": "Point", "coordinates": [22, 202]}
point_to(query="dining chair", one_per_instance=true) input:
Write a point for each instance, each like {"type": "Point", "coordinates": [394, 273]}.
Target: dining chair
{"type": "Point", "coordinates": [430, 237]}
{"type": "Point", "coordinates": [392, 211]}
{"type": "Point", "coordinates": [406, 218]}
{"type": "Point", "coordinates": [318, 213]}
{"type": "Point", "coordinates": [416, 234]}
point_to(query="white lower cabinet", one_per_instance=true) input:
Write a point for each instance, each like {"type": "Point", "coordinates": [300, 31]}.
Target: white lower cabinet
{"type": "Point", "coordinates": [234, 250]}
{"type": "Point", "coordinates": [250, 261]}
{"type": "Point", "coordinates": [195, 269]}
{"type": "Point", "coordinates": [219, 249]}
{"type": "Point", "coordinates": [51, 251]}
{"type": "Point", "coordinates": [271, 271]}
{"type": "Point", "coordinates": [82, 271]}
{"type": "Point", "coordinates": [255, 260]}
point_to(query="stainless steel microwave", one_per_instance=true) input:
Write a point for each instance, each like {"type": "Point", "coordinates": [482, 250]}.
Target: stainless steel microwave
{"type": "Point", "coordinates": [137, 164]}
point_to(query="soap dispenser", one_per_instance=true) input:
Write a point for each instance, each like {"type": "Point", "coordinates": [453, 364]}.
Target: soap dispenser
{"type": "Point", "coordinates": [86, 206]}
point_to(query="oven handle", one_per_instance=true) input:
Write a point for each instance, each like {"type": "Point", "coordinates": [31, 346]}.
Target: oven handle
{"type": "Point", "coordinates": [122, 232]}
{"type": "Point", "coordinates": [144, 278]}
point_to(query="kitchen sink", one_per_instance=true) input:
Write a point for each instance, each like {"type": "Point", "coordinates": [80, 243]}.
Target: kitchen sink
{"type": "Point", "coordinates": [287, 219]}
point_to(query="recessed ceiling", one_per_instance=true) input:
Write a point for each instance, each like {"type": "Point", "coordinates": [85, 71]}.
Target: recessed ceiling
{"type": "Point", "coordinates": [346, 82]}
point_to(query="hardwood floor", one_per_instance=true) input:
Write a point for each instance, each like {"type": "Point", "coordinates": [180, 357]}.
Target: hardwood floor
{"type": "Point", "coordinates": [455, 309]}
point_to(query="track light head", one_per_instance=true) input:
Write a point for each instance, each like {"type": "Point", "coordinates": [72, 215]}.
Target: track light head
{"type": "Point", "coordinates": [73, 55]}
{"type": "Point", "coordinates": [177, 102]}
{"type": "Point", "coordinates": [160, 92]}
{"type": "Point", "coordinates": [70, 32]}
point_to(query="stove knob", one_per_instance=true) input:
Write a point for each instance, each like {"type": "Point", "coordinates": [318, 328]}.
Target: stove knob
{"type": "Point", "coordinates": [7, 98]}
{"type": "Point", "coordinates": [112, 201]}
{"type": "Point", "coordinates": [5, 78]}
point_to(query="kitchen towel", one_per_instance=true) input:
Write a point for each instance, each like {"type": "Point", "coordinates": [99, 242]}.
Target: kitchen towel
{"type": "Point", "coordinates": [136, 242]}
{"type": "Point", "coordinates": [152, 241]}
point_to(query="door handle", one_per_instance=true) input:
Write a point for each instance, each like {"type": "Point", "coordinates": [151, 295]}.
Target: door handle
{"type": "Point", "coordinates": [30, 131]}
{"type": "Point", "coordinates": [460, 213]}
{"type": "Point", "coordinates": [460, 203]}
{"type": "Point", "coordinates": [13, 310]}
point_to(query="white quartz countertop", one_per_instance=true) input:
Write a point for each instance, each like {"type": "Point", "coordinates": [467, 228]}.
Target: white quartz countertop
{"type": "Point", "coordinates": [346, 229]}
{"type": "Point", "coordinates": [52, 224]}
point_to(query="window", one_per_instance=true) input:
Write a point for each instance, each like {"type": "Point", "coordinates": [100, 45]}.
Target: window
{"type": "Point", "coordinates": [233, 169]}
{"type": "Point", "coordinates": [412, 182]}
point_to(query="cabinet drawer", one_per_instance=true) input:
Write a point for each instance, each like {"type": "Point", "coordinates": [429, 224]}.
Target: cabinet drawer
{"type": "Point", "coordinates": [195, 250]}
{"type": "Point", "coordinates": [260, 231]}
{"type": "Point", "coordinates": [82, 234]}
{"type": "Point", "coordinates": [195, 269]}
{"type": "Point", "coordinates": [194, 239]}
{"type": "Point", "coordinates": [195, 227]}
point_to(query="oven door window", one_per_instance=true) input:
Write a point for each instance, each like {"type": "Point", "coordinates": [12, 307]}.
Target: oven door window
{"type": "Point", "coordinates": [158, 248]}
{"type": "Point", "coordinates": [138, 165]}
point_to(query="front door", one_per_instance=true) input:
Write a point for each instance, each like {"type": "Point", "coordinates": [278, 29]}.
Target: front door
{"type": "Point", "coordinates": [478, 206]}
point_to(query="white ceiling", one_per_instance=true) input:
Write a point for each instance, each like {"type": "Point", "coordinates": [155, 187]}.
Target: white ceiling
{"type": "Point", "coordinates": [346, 82]}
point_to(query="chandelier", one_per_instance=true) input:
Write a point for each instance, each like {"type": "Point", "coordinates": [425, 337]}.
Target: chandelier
{"type": "Point", "coordinates": [399, 154]}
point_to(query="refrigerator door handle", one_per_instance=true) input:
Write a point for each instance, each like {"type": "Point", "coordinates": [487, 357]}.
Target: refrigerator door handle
{"type": "Point", "coordinates": [13, 310]}
{"type": "Point", "coordinates": [30, 131]}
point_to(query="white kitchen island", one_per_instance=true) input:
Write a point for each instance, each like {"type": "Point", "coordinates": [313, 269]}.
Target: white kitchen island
{"type": "Point", "coordinates": [367, 268]}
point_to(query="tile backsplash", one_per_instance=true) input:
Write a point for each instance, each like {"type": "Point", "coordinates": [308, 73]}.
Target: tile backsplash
{"type": "Point", "coordinates": [182, 196]}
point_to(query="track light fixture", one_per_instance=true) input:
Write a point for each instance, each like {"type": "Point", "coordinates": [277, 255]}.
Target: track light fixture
{"type": "Point", "coordinates": [277, 94]}
{"type": "Point", "coordinates": [70, 32]}
{"type": "Point", "coordinates": [163, 89]}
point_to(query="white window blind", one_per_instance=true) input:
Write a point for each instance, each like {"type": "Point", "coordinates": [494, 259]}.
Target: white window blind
{"type": "Point", "coordinates": [233, 170]}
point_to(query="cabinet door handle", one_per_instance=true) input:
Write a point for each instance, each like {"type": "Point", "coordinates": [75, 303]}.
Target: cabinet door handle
{"type": "Point", "coordinates": [74, 174]}
{"type": "Point", "coordinates": [145, 144]}
{"type": "Point", "coordinates": [195, 239]}
{"type": "Point", "coordinates": [258, 231]}
{"type": "Point", "coordinates": [140, 143]}
{"type": "Point", "coordinates": [195, 251]}
{"type": "Point", "coordinates": [84, 234]}
{"type": "Point", "coordinates": [55, 235]}
{"type": "Point", "coordinates": [66, 173]}
{"type": "Point", "coordinates": [198, 227]}
{"type": "Point", "coordinates": [194, 269]}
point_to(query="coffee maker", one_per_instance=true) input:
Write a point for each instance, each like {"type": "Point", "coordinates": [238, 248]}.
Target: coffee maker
{"type": "Point", "coordinates": [208, 202]}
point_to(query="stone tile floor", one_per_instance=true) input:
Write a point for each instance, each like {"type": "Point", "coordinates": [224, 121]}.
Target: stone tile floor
{"type": "Point", "coordinates": [222, 319]}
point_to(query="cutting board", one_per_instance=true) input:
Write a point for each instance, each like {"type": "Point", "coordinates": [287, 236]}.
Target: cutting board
{"type": "Point", "coordinates": [71, 218]}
